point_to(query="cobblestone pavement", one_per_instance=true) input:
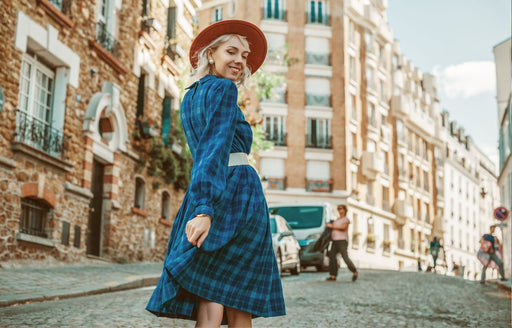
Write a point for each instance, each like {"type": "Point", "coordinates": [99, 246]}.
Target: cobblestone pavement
{"type": "Point", "coordinates": [376, 299]}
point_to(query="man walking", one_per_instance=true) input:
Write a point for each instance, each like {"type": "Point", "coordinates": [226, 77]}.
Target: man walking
{"type": "Point", "coordinates": [490, 244]}
{"type": "Point", "coordinates": [435, 245]}
{"type": "Point", "coordinates": [339, 236]}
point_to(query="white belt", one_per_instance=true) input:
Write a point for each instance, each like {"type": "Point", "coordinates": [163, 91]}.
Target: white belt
{"type": "Point", "coordinates": [238, 159]}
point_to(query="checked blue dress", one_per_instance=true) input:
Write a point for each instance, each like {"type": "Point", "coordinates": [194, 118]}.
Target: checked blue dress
{"type": "Point", "coordinates": [236, 264]}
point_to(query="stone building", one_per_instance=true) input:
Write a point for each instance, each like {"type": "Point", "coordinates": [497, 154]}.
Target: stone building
{"type": "Point", "coordinates": [354, 122]}
{"type": "Point", "coordinates": [88, 85]}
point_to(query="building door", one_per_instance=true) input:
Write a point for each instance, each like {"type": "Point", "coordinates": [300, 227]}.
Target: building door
{"type": "Point", "coordinates": [95, 209]}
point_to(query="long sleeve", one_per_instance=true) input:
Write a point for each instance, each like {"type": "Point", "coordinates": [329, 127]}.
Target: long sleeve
{"type": "Point", "coordinates": [209, 172]}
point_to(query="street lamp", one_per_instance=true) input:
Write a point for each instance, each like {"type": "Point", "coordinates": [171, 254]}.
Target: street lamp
{"type": "Point", "coordinates": [483, 193]}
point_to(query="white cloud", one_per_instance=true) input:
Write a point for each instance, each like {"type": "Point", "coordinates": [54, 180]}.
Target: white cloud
{"type": "Point", "coordinates": [467, 79]}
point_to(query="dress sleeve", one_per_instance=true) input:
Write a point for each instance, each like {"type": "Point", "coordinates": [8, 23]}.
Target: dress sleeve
{"type": "Point", "coordinates": [209, 172]}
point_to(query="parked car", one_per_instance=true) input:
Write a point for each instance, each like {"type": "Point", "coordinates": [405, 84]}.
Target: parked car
{"type": "Point", "coordinates": [285, 244]}
{"type": "Point", "coordinates": [307, 221]}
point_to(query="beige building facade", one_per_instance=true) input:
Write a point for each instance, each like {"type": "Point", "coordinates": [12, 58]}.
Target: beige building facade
{"type": "Point", "coordinates": [87, 86]}
{"type": "Point", "coordinates": [354, 122]}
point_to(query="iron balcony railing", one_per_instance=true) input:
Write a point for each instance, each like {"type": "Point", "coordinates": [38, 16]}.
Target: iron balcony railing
{"type": "Point", "coordinates": [277, 139]}
{"type": "Point", "coordinates": [318, 185]}
{"type": "Point", "coordinates": [274, 14]}
{"type": "Point", "coordinates": [107, 40]}
{"type": "Point", "coordinates": [314, 58]}
{"type": "Point", "coordinates": [40, 135]}
{"type": "Point", "coordinates": [324, 142]}
{"type": "Point", "coordinates": [277, 183]}
{"type": "Point", "coordinates": [313, 99]}
{"type": "Point", "coordinates": [314, 18]}
{"type": "Point", "coordinates": [62, 5]}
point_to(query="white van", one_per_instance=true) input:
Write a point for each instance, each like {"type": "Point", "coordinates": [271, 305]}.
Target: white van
{"type": "Point", "coordinates": [308, 222]}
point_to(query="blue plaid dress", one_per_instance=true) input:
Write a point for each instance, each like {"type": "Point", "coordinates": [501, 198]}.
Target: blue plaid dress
{"type": "Point", "coordinates": [236, 264]}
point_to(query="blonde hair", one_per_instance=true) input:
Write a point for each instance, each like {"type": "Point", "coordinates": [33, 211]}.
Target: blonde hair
{"type": "Point", "coordinates": [203, 67]}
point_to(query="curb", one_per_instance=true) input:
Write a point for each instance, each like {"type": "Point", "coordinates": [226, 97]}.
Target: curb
{"type": "Point", "coordinates": [138, 283]}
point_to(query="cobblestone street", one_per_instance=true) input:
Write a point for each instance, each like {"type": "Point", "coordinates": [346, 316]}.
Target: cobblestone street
{"type": "Point", "coordinates": [377, 299]}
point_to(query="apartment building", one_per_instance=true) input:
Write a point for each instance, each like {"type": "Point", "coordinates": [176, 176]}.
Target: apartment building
{"type": "Point", "coordinates": [354, 122]}
{"type": "Point", "coordinates": [470, 194]}
{"type": "Point", "coordinates": [504, 98]}
{"type": "Point", "coordinates": [86, 87]}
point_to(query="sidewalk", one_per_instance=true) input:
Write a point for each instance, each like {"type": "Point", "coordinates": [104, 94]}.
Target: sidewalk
{"type": "Point", "coordinates": [36, 284]}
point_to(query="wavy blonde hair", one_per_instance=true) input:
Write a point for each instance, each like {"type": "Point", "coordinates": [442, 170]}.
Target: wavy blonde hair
{"type": "Point", "coordinates": [203, 67]}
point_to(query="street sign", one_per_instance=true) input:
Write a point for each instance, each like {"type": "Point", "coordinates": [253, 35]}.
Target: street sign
{"type": "Point", "coordinates": [501, 213]}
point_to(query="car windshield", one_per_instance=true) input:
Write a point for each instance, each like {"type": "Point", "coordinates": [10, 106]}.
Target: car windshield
{"type": "Point", "coordinates": [301, 217]}
{"type": "Point", "coordinates": [273, 226]}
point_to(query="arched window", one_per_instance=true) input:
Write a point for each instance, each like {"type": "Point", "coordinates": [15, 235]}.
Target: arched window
{"type": "Point", "coordinates": [166, 206]}
{"type": "Point", "coordinates": [140, 193]}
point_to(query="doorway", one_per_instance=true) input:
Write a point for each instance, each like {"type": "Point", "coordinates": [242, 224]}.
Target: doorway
{"type": "Point", "coordinates": [95, 210]}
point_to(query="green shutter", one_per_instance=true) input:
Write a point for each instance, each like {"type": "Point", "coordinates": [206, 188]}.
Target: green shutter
{"type": "Point", "coordinates": [166, 119]}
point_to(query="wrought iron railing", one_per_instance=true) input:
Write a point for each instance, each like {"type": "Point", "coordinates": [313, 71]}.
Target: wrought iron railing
{"type": "Point", "coordinates": [106, 40]}
{"type": "Point", "coordinates": [314, 18]}
{"type": "Point", "coordinates": [317, 58]}
{"type": "Point", "coordinates": [323, 142]}
{"type": "Point", "coordinates": [276, 183]}
{"type": "Point", "coordinates": [278, 139]}
{"type": "Point", "coordinates": [40, 135]}
{"type": "Point", "coordinates": [313, 99]}
{"type": "Point", "coordinates": [318, 185]}
{"type": "Point", "coordinates": [275, 14]}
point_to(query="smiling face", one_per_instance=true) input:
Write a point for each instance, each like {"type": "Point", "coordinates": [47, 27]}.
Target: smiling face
{"type": "Point", "coordinates": [230, 59]}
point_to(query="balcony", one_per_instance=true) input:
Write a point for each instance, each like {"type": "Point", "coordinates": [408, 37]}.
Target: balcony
{"type": "Point", "coordinates": [403, 211]}
{"type": "Point", "coordinates": [276, 96]}
{"type": "Point", "coordinates": [373, 164]}
{"type": "Point", "coordinates": [40, 135]}
{"type": "Point", "coordinates": [318, 185]}
{"type": "Point", "coordinates": [59, 10]}
{"type": "Point", "coordinates": [314, 58]}
{"type": "Point", "coordinates": [313, 18]}
{"type": "Point", "coordinates": [399, 105]}
{"type": "Point", "coordinates": [278, 139]}
{"type": "Point", "coordinates": [107, 40]}
{"type": "Point", "coordinates": [318, 100]}
{"type": "Point", "coordinates": [273, 14]}
{"type": "Point", "coordinates": [323, 142]}
{"type": "Point", "coordinates": [276, 183]}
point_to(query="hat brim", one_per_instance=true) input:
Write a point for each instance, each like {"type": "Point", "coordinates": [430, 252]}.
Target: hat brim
{"type": "Point", "coordinates": [255, 37]}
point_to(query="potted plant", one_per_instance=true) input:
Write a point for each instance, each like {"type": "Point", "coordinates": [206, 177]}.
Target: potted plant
{"type": "Point", "coordinates": [370, 237]}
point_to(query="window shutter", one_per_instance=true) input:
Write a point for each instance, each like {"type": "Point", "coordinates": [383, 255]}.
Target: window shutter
{"type": "Point", "coordinates": [140, 95]}
{"type": "Point", "coordinates": [166, 119]}
{"type": "Point", "coordinates": [171, 22]}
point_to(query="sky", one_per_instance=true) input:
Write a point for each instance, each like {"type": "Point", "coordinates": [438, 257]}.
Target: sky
{"type": "Point", "coordinates": [454, 40]}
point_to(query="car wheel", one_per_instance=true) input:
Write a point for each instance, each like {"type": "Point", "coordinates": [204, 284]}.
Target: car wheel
{"type": "Point", "coordinates": [279, 262]}
{"type": "Point", "coordinates": [296, 271]}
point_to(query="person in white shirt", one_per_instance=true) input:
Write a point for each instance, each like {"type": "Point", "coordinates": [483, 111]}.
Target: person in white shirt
{"type": "Point", "coordinates": [339, 237]}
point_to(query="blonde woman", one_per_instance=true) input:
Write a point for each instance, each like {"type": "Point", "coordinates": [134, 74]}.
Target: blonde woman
{"type": "Point", "coordinates": [220, 265]}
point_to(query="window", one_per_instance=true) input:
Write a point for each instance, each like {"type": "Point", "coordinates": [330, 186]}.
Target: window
{"type": "Point", "coordinates": [351, 32]}
{"type": "Point", "coordinates": [353, 142]}
{"type": "Point", "coordinates": [64, 237]}
{"type": "Point", "coordinates": [166, 206]}
{"type": "Point", "coordinates": [370, 78]}
{"type": "Point", "coordinates": [36, 101]}
{"type": "Point", "coordinates": [382, 89]}
{"type": "Point", "coordinates": [400, 130]}
{"type": "Point", "coordinates": [140, 193]}
{"type": "Point", "coordinates": [352, 106]}
{"type": "Point", "coordinates": [275, 129]}
{"type": "Point", "coordinates": [34, 217]}
{"type": "Point", "coordinates": [216, 14]}
{"type": "Point", "coordinates": [107, 25]}
{"type": "Point", "coordinates": [76, 239]}
{"type": "Point", "coordinates": [318, 133]}
{"type": "Point", "coordinates": [317, 12]}
{"type": "Point", "coordinates": [353, 73]}
{"type": "Point", "coordinates": [372, 120]}
{"type": "Point", "coordinates": [369, 41]}
{"type": "Point", "coordinates": [145, 7]}
{"type": "Point", "coordinates": [273, 9]}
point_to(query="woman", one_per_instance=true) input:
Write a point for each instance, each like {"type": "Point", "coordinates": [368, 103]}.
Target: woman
{"type": "Point", "coordinates": [220, 265]}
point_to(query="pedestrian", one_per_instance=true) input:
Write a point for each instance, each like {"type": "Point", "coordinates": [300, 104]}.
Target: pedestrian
{"type": "Point", "coordinates": [490, 245]}
{"type": "Point", "coordinates": [220, 266]}
{"type": "Point", "coordinates": [419, 265]}
{"type": "Point", "coordinates": [435, 246]}
{"type": "Point", "coordinates": [339, 237]}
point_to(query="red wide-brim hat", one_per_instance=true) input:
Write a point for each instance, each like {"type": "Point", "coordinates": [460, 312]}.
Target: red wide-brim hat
{"type": "Point", "coordinates": [255, 37]}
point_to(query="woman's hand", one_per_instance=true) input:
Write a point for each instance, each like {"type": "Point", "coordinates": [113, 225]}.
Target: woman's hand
{"type": "Point", "coordinates": [198, 228]}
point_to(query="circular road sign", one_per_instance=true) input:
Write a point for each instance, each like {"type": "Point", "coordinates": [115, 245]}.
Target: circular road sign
{"type": "Point", "coordinates": [501, 213]}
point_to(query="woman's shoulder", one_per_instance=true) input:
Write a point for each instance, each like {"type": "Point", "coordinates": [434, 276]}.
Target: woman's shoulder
{"type": "Point", "coordinates": [213, 82]}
